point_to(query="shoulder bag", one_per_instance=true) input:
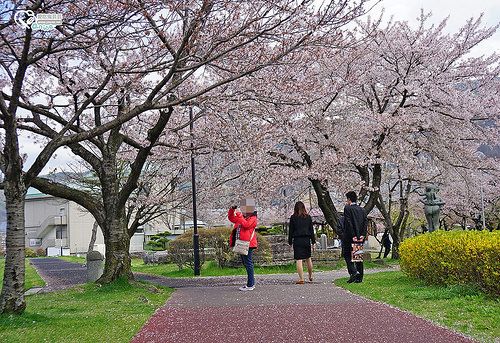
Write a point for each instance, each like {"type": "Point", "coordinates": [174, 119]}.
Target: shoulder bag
{"type": "Point", "coordinates": [241, 247]}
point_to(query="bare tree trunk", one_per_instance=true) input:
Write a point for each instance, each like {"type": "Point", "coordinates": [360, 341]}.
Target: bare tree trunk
{"type": "Point", "coordinates": [12, 296]}
{"type": "Point", "coordinates": [117, 263]}
{"type": "Point", "coordinates": [325, 203]}
{"type": "Point", "coordinates": [376, 179]}
{"type": "Point", "coordinates": [388, 222]}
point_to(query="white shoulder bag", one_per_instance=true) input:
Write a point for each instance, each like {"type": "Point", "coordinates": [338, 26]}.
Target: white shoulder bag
{"type": "Point", "coordinates": [241, 247]}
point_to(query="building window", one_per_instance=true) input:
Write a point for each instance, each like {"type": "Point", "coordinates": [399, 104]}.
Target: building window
{"type": "Point", "coordinates": [35, 242]}
{"type": "Point", "coordinates": [61, 232]}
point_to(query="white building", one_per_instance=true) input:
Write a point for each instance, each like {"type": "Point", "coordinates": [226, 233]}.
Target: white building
{"type": "Point", "coordinates": [62, 227]}
{"type": "Point", "coordinates": [58, 226]}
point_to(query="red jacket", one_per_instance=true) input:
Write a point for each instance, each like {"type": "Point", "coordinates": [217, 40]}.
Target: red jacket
{"type": "Point", "coordinates": [248, 225]}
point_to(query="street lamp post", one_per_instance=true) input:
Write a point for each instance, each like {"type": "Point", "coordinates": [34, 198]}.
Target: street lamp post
{"type": "Point", "coordinates": [196, 242]}
{"type": "Point", "coordinates": [482, 208]}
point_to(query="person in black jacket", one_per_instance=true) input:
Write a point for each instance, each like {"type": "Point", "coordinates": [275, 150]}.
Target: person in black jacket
{"type": "Point", "coordinates": [301, 235]}
{"type": "Point", "coordinates": [354, 230]}
{"type": "Point", "coordinates": [386, 242]}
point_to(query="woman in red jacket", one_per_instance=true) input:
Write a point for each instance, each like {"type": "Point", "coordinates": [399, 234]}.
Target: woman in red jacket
{"type": "Point", "coordinates": [244, 226]}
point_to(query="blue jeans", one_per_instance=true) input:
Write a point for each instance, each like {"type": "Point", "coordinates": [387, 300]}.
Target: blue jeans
{"type": "Point", "coordinates": [248, 263]}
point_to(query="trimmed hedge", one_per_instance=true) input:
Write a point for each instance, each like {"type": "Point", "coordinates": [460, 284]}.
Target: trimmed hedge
{"type": "Point", "coordinates": [454, 257]}
{"type": "Point", "coordinates": [214, 244]}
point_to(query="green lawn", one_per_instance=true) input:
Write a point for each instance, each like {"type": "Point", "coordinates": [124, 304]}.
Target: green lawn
{"type": "Point", "coordinates": [210, 268]}
{"type": "Point", "coordinates": [31, 279]}
{"type": "Point", "coordinates": [460, 308]}
{"type": "Point", "coordinates": [73, 259]}
{"type": "Point", "coordinates": [88, 313]}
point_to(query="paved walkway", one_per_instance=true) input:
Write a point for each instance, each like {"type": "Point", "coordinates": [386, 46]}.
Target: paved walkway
{"type": "Point", "coordinates": [212, 309]}
{"type": "Point", "coordinates": [58, 274]}
{"type": "Point", "coordinates": [278, 310]}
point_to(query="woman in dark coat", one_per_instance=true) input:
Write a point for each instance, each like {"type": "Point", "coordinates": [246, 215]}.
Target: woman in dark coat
{"type": "Point", "coordinates": [301, 235]}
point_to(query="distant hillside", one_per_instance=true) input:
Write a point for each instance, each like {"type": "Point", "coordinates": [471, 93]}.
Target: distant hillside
{"type": "Point", "coordinates": [490, 151]}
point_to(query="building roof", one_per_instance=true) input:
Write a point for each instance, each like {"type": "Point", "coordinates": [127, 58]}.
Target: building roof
{"type": "Point", "coordinates": [34, 193]}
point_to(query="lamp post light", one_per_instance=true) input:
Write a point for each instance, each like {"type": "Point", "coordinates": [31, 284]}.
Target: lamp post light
{"type": "Point", "coordinates": [196, 242]}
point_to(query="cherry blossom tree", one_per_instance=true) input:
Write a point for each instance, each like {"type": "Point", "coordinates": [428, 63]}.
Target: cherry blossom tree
{"type": "Point", "coordinates": [142, 71]}
{"type": "Point", "coordinates": [393, 98]}
{"type": "Point", "coordinates": [427, 103]}
{"type": "Point", "coordinates": [22, 50]}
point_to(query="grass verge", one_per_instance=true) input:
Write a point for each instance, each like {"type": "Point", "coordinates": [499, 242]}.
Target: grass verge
{"type": "Point", "coordinates": [461, 308]}
{"type": "Point", "coordinates": [32, 279]}
{"type": "Point", "coordinates": [73, 259]}
{"type": "Point", "coordinates": [210, 268]}
{"type": "Point", "coordinates": [87, 313]}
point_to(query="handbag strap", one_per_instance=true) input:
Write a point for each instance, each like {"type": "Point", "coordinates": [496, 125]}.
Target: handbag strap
{"type": "Point", "coordinates": [239, 230]}
{"type": "Point", "coordinates": [253, 233]}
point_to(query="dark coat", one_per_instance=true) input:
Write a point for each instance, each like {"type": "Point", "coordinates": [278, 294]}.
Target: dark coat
{"type": "Point", "coordinates": [386, 242]}
{"type": "Point", "coordinates": [301, 227]}
{"type": "Point", "coordinates": [340, 228]}
{"type": "Point", "coordinates": [355, 222]}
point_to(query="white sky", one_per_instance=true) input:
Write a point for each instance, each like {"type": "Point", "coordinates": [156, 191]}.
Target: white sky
{"type": "Point", "coordinates": [458, 10]}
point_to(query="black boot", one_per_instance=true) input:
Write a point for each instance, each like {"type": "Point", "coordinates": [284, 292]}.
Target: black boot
{"type": "Point", "coordinates": [353, 278]}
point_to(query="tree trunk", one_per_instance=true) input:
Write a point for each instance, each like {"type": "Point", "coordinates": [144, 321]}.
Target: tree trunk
{"type": "Point", "coordinates": [395, 248]}
{"type": "Point", "coordinates": [325, 203]}
{"type": "Point", "coordinates": [376, 179]}
{"type": "Point", "coordinates": [393, 231]}
{"type": "Point", "coordinates": [117, 263]}
{"type": "Point", "coordinates": [12, 296]}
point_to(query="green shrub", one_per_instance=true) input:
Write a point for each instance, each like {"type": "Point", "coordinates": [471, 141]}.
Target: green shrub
{"type": "Point", "coordinates": [216, 240]}
{"type": "Point", "coordinates": [30, 252]}
{"type": "Point", "coordinates": [454, 257]}
{"type": "Point", "coordinates": [262, 254]}
{"type": "Point", "coordinates": [181, 252]}
{"type": "Point", "coordinates": [326, 229]}
{"type": "Point", "coordinates": [275, 230]}
{"type": "Point", "coordinates": [160, 241]}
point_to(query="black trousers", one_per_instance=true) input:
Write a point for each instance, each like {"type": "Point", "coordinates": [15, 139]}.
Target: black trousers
{"type": "Point", "coordinates": [352, 267]}
{"type": "Point", "coordinates": [387, 251]}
